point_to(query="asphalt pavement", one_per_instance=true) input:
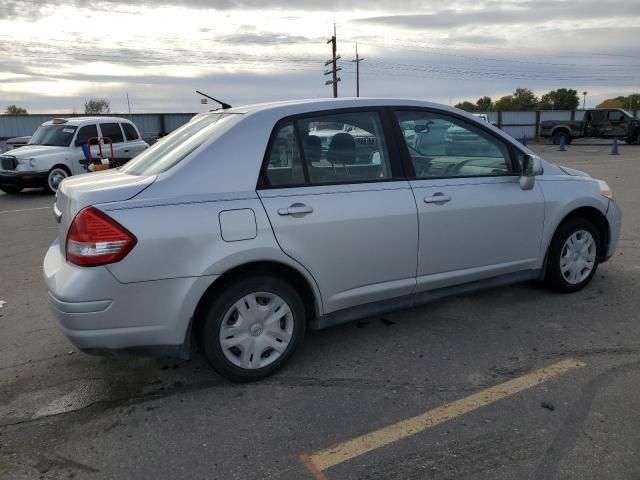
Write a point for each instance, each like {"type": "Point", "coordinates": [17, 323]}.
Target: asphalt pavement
{"type": "Point", "coordinates": [512, 382]}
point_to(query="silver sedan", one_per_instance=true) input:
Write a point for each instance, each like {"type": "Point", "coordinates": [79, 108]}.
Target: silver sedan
{"type": "Point", "coordinates": [248, 225]}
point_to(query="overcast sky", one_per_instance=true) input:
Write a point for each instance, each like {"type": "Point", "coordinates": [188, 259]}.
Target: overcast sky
{"type": "Point", "coordinates": [58, 54]}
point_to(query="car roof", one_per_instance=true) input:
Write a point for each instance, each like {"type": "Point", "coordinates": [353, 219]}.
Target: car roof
{"type": "Point", "coordinates": [293, 107]}
{"type": "Point", "coordinates": [83, 120]}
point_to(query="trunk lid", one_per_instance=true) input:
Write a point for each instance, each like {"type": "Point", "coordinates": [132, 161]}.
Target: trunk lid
{"type": "Point", "coordinates": [80, 191]}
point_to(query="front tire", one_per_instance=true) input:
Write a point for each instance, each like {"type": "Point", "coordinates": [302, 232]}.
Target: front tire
{"type": "Point", "coordinates": [573, 256]}
{"type": "Point", "coordinates": [10, 189]}
{"type": "Point", "coordinates": [253, 327]}
{"type": "Point", "coordinates": [56, 175]}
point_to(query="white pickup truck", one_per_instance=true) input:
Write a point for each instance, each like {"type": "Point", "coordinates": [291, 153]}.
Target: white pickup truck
{"type": "Point", "coordinates": [55, 151]}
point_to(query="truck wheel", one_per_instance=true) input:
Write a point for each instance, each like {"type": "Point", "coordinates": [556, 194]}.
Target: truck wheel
{"type": "Point", "coordinates": [56, 175]}
{"type": "Point", "coordinates": [573, 256]}
{"type": "Point", "coordinates": [10, 189]}
{"type": "Point", "coordinates": [252, 327]}
{"type": "Point", "coordinates": [562, 133]}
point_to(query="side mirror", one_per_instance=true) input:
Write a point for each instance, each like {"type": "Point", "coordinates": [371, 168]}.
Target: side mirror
{"type": "Point", "coordinates": [531, 166]}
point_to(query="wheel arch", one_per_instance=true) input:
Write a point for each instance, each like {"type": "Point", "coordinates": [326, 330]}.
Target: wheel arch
{"type": "Point", "coordinates": [63, 166]}
{"type": "Point", "coordinates": [593, 215]}
{"type": "Point", "coordinates": [296, 278]}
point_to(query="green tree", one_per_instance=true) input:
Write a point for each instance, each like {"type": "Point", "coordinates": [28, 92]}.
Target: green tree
{"type": "Point", "coordinates": [504, 104]}
{"type": "Point", "coordinates": [561, 99]}
{"type": "Point", "coordinates": [484, 104]}
{"type": "Point", "coordinates": [524, 99]}
{"type": "Point", "coordinates": [466, 106]}
{"type": "Point", "coordinates": [14, 110]}
{"type": "Point", "coordinates": [96, 106]}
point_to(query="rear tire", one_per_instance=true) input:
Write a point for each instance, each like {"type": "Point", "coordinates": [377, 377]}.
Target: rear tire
{"type": "Point", "coordinates": [562, 133]}
{"type": "Point", "coordinates": [252, 327]}
{"type": "Point", "coordinates": [10, 189]}
{"type": "Point", "coordinates": [573, 256]}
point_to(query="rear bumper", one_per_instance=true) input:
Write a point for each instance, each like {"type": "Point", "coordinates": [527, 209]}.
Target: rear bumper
{"type": "Point", "coordinates": [614, 216]}
{"type": "Point", "coordinates": [23, 179]}
{"type": "Point", "coordinates": [98, 314]}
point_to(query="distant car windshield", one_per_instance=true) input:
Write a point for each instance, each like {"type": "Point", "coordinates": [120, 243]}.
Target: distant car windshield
{"type": "Point", "coordinates": [173, 148]}
{"type": "Point", "coordinates": [53, 135]}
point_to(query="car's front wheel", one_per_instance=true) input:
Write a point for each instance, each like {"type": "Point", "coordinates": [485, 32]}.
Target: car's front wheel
{"type": "Point", "coordinates": [252, 327]}
{"type": "Point", "coordinates": [10, 189]}
{"type": "Point", "coordinates": [573, 256]}
{"type": "Point", "coordinates": [56, 175]}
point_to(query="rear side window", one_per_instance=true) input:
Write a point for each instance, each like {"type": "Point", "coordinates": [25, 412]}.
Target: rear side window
{"type": "Point", "coordinates": [130, 132]}
{"type": "Point", "coordinates": [112, 130]}
{"type": "Point", "coordinates": [87, 132]}
{"type": "Point", "coordinates": [339, 148]}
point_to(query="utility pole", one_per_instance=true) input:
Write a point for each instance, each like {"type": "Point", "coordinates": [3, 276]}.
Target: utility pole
{"type": "Point", "coordinates": [584, 99]}
{"type": "Point", "coordinates": [334, 62]}
{"type": "Point", "coordinates": [357, 62]}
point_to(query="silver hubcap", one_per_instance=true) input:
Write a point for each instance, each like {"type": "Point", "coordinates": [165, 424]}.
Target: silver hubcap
{"type": "Point", "coordinates": [578, 257]}
{"type": "Point", "coordinates": [55, 177]}
{"type": "Point", "coordinates": [256, 330]}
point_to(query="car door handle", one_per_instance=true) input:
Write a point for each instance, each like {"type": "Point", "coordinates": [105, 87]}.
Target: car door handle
{"type": "Point", "coordinates": [437, 198]}
{"type": "Point", "coordinates": [126, 151]}
{"type": "Point", "coordinates": [297, 209]}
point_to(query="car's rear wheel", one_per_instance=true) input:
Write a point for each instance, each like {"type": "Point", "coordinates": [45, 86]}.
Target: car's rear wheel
{"type": "Point", "coordinates": [252, 328]}
{"type": "Point", "coordinates": [10, 189]}
{"type": "Point", "coordinates": [562, 133]}
{"type": "Point", "coordinates": [56, 175]}
{"type": "Point", "coordinates": [573, 256]}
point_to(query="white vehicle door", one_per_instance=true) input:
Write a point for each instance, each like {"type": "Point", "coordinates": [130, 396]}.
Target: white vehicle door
{"type": "Point", "coordinates": [343, 210]}
{"type": "Point", "coordinates": [113, 131]}
{"type": "Point", "coordinates": [133, 143]}
{"type": "Point", "coordinates": [83, 135]}
{"type": "Point", "coordinates": [475, 220]}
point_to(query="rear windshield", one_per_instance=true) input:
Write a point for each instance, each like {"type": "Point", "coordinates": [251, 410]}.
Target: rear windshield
{"type": "Point", "coordinates": [53, 135]}
{"type": "Point", "coordinates": [170, 150]}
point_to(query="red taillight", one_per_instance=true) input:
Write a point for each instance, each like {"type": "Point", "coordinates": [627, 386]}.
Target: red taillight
{"type": "Point", "coordinates": [95, 239]}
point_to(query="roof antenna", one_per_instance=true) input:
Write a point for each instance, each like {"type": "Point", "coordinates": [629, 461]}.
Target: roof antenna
{"type": "Point", "coordinates": [222, 104]}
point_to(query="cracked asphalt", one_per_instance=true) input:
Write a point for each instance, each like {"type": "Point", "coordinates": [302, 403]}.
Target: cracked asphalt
{"type": "Point", "coordinates": [65, 415]}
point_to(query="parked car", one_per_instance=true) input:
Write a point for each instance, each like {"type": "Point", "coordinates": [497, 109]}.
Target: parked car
{"type": "Point", "coordinates": [16, 142]}
{"type": "Point", "coordinates": [55, 151]}
{"type": "Point", "coordinates": [598, 123]}
{"type": "Point", "coordinates": [238, 231]}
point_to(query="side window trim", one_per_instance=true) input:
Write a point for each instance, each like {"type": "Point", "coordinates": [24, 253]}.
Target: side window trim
{"type": "Point", "coordinates": [404, 149]}
{"type": "Point", "coordinates": [303, 159]}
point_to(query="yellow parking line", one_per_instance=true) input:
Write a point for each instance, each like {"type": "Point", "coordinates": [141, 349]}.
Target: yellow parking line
{"type": "Point", "coordinates": [344, 451]}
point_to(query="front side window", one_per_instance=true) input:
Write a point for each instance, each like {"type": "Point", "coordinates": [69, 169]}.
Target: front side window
{"type": "Point", "coordinates": [53, 135]}
{"type": "Point", "coordinates": [344, 148]}
{"type": "Point", "coordinates": [86, 132]}
{"type": "Point", "coordinates": [442, 146]}
{"type": "Point", "coordinates": [112, 131]}
{"type": "Point", "coordinates": [616, 116]}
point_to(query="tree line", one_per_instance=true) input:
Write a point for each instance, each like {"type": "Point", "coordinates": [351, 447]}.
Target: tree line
{"type": "Point", "coordinates": [94, 106]}
{"type": "Point", "coordinates": [523, 99]}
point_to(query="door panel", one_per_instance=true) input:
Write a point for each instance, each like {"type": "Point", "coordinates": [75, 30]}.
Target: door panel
{"type": "Point", "coordinates": [359, 241]}
{"type": "Point", "coordinates": [485, 227]}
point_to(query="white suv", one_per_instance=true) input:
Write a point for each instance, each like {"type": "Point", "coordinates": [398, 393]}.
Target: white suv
{"type": "Point", "coordinates": [55, 151]}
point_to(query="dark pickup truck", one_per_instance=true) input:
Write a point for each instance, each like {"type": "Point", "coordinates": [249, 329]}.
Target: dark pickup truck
{"type": "Point", "coordinates": [599, 123]}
